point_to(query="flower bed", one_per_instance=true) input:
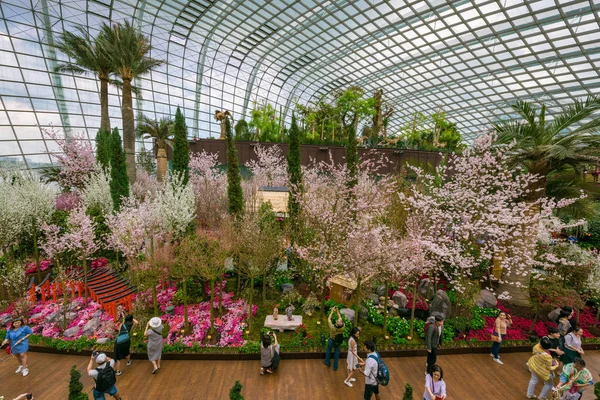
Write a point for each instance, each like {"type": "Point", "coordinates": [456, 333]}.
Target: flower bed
{"type": "Point", "coordinates": [31, 268]}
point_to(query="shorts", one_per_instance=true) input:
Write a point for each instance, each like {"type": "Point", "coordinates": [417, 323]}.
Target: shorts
{"type": "Point", "coordinates": [370, 390]}
{"type": "Point", "coordinates": [100, 395]}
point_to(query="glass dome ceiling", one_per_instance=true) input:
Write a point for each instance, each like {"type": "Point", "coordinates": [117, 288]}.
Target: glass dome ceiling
{"type": "Point", "coordinates": [471, 59]}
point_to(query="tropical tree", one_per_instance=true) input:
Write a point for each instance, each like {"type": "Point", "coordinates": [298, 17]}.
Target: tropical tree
{"type": "Point", "coordinates": [161, 131]}
{"type": "Point", "coordinates": [89, 56]}
{"type": "Point", "coordinates": [294, 170]}
{"type": "Point", "coordinates": [127, 50]}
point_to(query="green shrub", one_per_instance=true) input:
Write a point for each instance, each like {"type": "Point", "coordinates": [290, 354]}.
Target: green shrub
{"type": "Point", "coordinates": [251, 347]}
{"type": "Point", "coordinates": [75, 386]}
{"type": "Point", "coordinates": [408, 392]}
{"type": "Point", "coordinates": [235, 393]}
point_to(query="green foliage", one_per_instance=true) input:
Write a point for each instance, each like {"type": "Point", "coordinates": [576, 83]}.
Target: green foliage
{"type": "Point", "coordinates": [279, 277]}
{"type": "Point", "coordinates": [242, 131]}
{"type": "Point", "coordinates": [330, 303]}
{"type": "Point", "coordinates": [292, 297]}
{"type": "Point", "coordinates": [398, 328]}
{"type": "Point", "coordinates": [234, 179]}
{"type": "Point", "coordinates": [250, 347]}
{"type": "Point", "coordinates": [145, 161]}
{"type": "Point", "coordinates": [235, 393]}
{"type": "Point", "coordinates": [265, 123]}
{"type": "Point", "coordinates": [352, 156]}
{"type": "Point", "coordinates": [181, 149]}
{"type": "Point", "coordinates": [103, 147]}
{"type": "Point", "coordinates": [194, 292]}
{"type": "Point", "coordinates": [408, 392]}
{"type": "Point", "coordinates": [75, 386]}
{"type": "Point", "coordinates": [119, 181]}
{"type": "Point", "coordinates": [294, 170]}
{"type": "Point", "coordinates": [597, 390]}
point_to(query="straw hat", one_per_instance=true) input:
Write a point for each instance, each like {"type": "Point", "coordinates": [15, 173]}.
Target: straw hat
{"type": "Point", "coordinates": [155, 322]}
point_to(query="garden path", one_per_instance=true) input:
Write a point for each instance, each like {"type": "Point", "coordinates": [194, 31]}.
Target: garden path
{"type": "Point", "coordinates": [469, 377]}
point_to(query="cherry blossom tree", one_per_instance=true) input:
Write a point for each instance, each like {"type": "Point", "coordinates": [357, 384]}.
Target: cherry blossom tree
{"type": "Point", "coordinates": [210, 188]}
{"type": "Point", "coordinates": [80, 240]}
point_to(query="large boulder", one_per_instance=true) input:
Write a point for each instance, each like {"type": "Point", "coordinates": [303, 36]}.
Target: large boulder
{"type": "Point", "coordinates": [69, 333]}
{"type": "Point", "coordinates": [381, 290]}
{"type": "Point", "coordinates": [400, 298]}
{"type": "Point", "coordinates": [486, 299]}
{"type": "Point", "coordinates": [364, 313]}
{"type": "Point", "coordinates": [287, 287]}
{"type": "Point", "coordinates": [553, 315]}
{"type": "Point", "coordinates": [348, 313]}
{"type": "Point", "coordinates": [4, 320]}
{"type": "Point", "coordinates": [50, 318]}
{"type": "Point", "coordinates": [103, 340]}
{"type": "Point", "coordinates": [440, 304]}
{"type": "Point", "coordinates": [426, 289]}
{"type": "Point", "coordinates": [91, 326]}
{"type": "Point", "coordinates": [374, 297]}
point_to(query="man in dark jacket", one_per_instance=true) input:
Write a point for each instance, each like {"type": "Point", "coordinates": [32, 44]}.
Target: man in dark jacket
{"type": "Point", "coordinates": [433, 339]}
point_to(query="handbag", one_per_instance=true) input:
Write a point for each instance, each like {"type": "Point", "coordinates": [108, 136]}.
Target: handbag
{"type": "Point", "coordinates": [123, 337]}
{"type": "Point", "coordinates": [435, 397]}
{"type": "Point", "coordinates": [496, 338]}
{"type": "Point", "coordinates": [8, 350]}
{"type": "Point", "coordinates": [275, 358]}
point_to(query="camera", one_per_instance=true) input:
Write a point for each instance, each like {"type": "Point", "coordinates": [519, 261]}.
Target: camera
{"type": "Point", "coordinates": [95, 353]}
{"type": "Point", "coordinates": [357, 366]}
{"type": "Point", "coordinates": [29, 396]}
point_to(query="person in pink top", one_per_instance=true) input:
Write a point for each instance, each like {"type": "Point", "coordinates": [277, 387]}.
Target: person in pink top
{"type": "Point", "coordinates": [502, 323]}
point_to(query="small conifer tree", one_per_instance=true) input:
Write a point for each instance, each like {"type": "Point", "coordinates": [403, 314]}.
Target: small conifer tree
{"type": "Point", "coordinates": [181, 149]}
{"type": "Point", "coordinates": [119, 181]}
{"type": "Point", "coordinates": [352, 155]}
{"type": "Point", "coordinates": [408, 392]}
{"type": "Point", "coordinates": [75, 386]}
{"type": "Point", "coordinates": [103, 147]}
{"type": "Point", "coordinates": [235, 393]}
{"type": "Point", "coordinates": [234, 178]}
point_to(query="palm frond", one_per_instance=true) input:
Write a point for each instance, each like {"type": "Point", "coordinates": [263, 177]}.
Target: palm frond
{"type": "Point", "coordinates": [525, 110]}
{"type": "Point", "coordinates": [573, 114]}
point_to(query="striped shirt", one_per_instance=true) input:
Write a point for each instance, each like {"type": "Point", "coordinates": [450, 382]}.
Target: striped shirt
{"type": "Point", "coordinates": [542, 364]}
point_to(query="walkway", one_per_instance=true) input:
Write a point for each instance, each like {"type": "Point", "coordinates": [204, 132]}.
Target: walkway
{"type": "Point", "coordinates": [469, 377]}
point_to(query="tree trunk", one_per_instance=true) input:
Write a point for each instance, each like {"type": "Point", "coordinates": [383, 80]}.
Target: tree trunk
{"type": "Point", "coordinates": [185, 307]}
{"type": "Point", "coordinates": [357, 303]}
{"type": "Point", "coordinates": [385, 309]}
{"type": "Point", "coordinates": [412, 310]}
{"type": "Point", "coordinates": [104, 118]}
{"type": "Point", "coordinates": [264, 289]}
{"type": "Point", "coordinates": [161, 164]}
{"type": "Point", "coordinates": [239, 283]}
{"type": "Point", "coordinates": [154, 299]}
{"type": "Point", "coordinates": [212, 301]}
{"type": "Point", "coordinates": [36, 253]}
{"type": "Point", "coordinates": [85, 281]}
{"type": "Point", "coordinates": [250, 304]}
{"type": "Point", "coordinates": [221, 296]}
{"type": "Point", "coordinates": [128, 130]}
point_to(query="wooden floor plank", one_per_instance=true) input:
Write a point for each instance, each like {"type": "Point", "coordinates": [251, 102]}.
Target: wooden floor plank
{"type": "Point", "coordinates": [472, 376]}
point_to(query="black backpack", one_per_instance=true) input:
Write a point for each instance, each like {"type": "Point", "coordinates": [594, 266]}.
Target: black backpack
{"type": "Point", "coordinates": [106, 378]}
{"type": "Point", "coordinates": [339, 339]}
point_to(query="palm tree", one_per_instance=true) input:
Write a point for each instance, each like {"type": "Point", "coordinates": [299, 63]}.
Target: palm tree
{"type": "Point", "coordinates": [127, 50]}
{"type": "Point", "coordinates": [89, 57]}
{"type": "Point", "coordinates": [557, 151]}
{"type": "Point", "coordinates": [161, 131]}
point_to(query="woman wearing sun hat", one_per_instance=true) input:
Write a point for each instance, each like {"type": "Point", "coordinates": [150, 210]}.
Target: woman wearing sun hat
{"type": "Point", "coordinates": [153, 331]}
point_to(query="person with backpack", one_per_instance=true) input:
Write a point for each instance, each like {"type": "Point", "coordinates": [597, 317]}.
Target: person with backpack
{"type": "Point", "coordinates": [104, 375]}
{"type": "Point", "coordinates": [433, 339]}
{"type": "Point", "coordinates": [375, 372]}
{"type": "Point", "coordinates": [123, 342]}
{"type": "Point", "coordinates": [435, 387]}
{"type": "Point", "coordinates": [336, 337]}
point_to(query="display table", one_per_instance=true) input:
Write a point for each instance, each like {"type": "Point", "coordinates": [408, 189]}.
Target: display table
{"type": "Point", "coordinates": [282, 323]}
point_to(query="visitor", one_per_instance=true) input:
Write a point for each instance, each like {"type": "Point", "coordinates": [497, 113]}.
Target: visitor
{"type": "Point", "coordinates": [25, 396]}
{"type": "Point", "coordinates": [554, 338]}
{"type": "Point", "coordinates": [103, 375]}
{"type": "Point", "coordinates": [370, 372]}
{"type": "Point", "coordinates": [123, 345]}
{"type": "Point", "coordinates": [336, 337]}
{"type": "Point", "coordinates": [17, 335]}
{"type": "Point", "coordinates": [435, 387]}
{"type": "Point", "coordinates": [269, 354]}
{"type": "Point", "coordinates": [541, 366]}
{"type": "Point", "coordinates": [353, 360]}
{"type": "Point", "coordinates": [575, 377]}
{"type": "Point", "coordinates": [572, 346]}
{"type": "Point", "coordinates": [502, 323]}
{"type": "Point", "coordinates": [433, 339]}
{"type": "Point", "coordinates": [595, 174]}
{"type": "Point", "coordinates": [566, 322]}
{"type": "Point", "coordinates": [153, 332]}
{"type": "Point", "coordinates": [121, 314]}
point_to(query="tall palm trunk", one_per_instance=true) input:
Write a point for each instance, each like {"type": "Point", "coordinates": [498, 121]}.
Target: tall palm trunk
{"type": "Point", "coordinates": [161, 164]}
{"type": "Point", "coordinates": [104, 119]}
{"type": "Point", "coordinates": [128, 129]}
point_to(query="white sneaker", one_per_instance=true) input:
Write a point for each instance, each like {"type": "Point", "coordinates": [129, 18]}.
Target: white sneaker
{"type": "Point", "coordinates": [491, 355]}
{"type": "Point", "coordinates": [26, 372]}
{"type": "Point", "coordinates": [498, 361]}
{"type": "Point", "coordinates": [348, 384]}
{"type": "Point", "coordinates": [19, 369]}
{"type": "Point", "coordinates": [352, 379]}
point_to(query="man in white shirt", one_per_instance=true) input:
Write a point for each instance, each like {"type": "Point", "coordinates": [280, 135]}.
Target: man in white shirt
{"type": "Point", "coordinates": [104, 375]}
{"type": "Point", "coordinates": [370, 372]}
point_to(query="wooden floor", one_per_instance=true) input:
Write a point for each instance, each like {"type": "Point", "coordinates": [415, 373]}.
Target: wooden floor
{"type": "Point", "coordinates": [468, 377]}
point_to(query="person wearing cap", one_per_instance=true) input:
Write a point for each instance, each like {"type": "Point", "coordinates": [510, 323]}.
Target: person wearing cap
{"type": "Point", "coordinates": [153, 332]}
{"type": "Point", "coordinates": [17, 335]}
{"type": "Point", "coordinates": [336, 337]}
{"type": "Point", "coordinates": [103, 362]}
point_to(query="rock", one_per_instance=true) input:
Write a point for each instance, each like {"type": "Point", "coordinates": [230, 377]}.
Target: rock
{"type": "Point", "coordinates": [91, 326]}
{"type": "Point", "coordinates": [486, 299]}
{"type": "Point", "coordinates": [364, 313]}
{"type": "Point", "coordinates": [381, 298]}
{"type": "Point", "coordinates": [103, 340]}
{"type": "Point", "coordinates": [396, 306]}
{"type": "Point", "coordinates": [97, 314]}
{"type": "Point", "coordinates": [71, 332]}
{"type": "Point", "coordinates": [374, 297]}
{"type": "Point", "coordinates": [50, 318]}
{"type": "Point", "coordinates": [391, 303]}
{"type": "Point", "coordinates": [5, 320]}
{"type": "Point", "coordinates": [287, 287]}
{"type": "Point", "coordinates": [33, 317]}
{"type": "Point", "coordinates": [392, 312]}
{"type": "Point", "coordinates": [381, 290]}
{"type": "Point", "coordinates": [348, 313]}
{"type": "Point", "coordinates": [72, 306]}
{"type": "Point", "coordinates": [553, 315]}
{"type": "Point", "coordinates": [441, 304]}
{"type": "Point", "coordinates": [425, 289]}
{"type": "Point", "coordinates": [400, 298]}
